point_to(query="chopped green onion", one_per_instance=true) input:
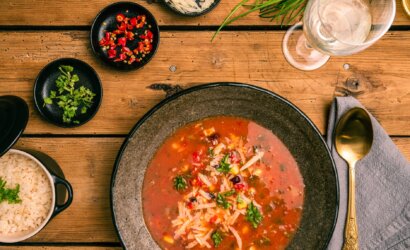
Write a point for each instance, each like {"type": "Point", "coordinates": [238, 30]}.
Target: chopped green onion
{"type": "Point", "coordinates": [216, 238]}
{"type": "Point", "coordinates": [180, 183]}
{"type": "Point", "coordinates": [253, 215]}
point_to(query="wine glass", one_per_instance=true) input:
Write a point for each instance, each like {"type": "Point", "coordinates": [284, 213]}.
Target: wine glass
{"type": "Point", "coordinates": [336, 27]}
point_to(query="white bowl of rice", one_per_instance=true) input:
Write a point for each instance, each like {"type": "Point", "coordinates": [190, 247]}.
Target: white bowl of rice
{"type": "Point", "coordinates": [37, 192]}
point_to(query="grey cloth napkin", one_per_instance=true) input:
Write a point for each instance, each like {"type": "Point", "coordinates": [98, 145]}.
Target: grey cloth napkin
{"type": "Point", "coordinates": [382, 189]}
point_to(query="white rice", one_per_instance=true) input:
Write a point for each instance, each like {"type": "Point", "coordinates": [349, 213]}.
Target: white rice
{"type": "Point", "coordinates": [35, 193]}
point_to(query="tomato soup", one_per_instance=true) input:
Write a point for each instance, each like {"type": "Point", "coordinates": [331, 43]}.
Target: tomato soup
{"type": "Point", "coordinates": [223, 183]}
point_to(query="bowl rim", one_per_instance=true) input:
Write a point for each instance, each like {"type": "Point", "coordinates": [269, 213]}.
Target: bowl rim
{"type": "Point", "coordinates": [37, 82]}
{"type": "Point", "coordinates": [173, 97]}
{"type": "Point", "coordinates": [53, 194]}
{"type": "Point", "coordinates": [196, 14]}
{"type": "Point", "coordinates": [94, 26]}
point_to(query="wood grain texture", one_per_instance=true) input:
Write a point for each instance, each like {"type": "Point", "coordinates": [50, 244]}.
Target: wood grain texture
{"type": "Point", "coordinates": [20, 12]}
{"type": "Point", "coordinates": [378, 77]}
{"type": "Point", "coordinates": [87, 164]}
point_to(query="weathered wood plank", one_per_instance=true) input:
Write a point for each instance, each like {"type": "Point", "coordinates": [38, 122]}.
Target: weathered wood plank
{"type": "Point", "coordinates": [20, 12]}
{"type": "Point", "coordinates": [87, 164]}
{"type": "Point", "coordinates": [249, 57]}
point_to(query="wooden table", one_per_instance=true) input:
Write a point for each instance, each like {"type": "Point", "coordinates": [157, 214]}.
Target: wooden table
{"type": "Point", "coordinates": [34, 33]}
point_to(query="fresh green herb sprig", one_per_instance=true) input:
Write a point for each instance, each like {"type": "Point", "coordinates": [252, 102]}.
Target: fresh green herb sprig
{"type": "Point", "coordinates": [221, 199]}
{"type": "Point", "coordinates": [11, 195]}
{"type": "Point", "coordinates": [229, 193]}
{"type": "Point", "coordinates": [253, 215]}
{"type": "Point", "coordinates": [216, 238]}
{"type": "Point", "coordinates": [222, 202]}
{"type": "Point", "coordinates": [224, 166]}
{"type": "Point", "coordinates": [180, 183]}
{"type": "Point", "coordinates": [69, 98]}
{"type": "Point", "coordinates": [285, 11]}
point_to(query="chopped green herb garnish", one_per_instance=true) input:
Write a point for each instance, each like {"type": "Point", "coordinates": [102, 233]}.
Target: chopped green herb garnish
{"type": "Point", "coordinates": [180, 183]}
{"type": "Point", "coordinates": [69, 98]}
{"type": "Point", "coordinates": [222, 202]}
{"type": "Point", "coordinates": [224, 166]}
{"type": "Point", "coordinates": [229, 193]}
{"type": "Point", "coordinates": [211, 152]}
{"type": "Point", "coordinates": [253, 215]}
{"type": "Point", "coordinates": [8, 194]}
{"type": "Point", "coordinates": [216, 238]}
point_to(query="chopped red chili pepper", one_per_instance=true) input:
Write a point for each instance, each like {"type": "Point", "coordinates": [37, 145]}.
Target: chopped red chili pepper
{"type": "Point", "coordinates": [112, 44]}
{"type": "Point", "coordinates": [149, 35]}
{"type": "Point", "coordinates": [140, 46]}
{"type": "Point", "coordinates": [130, 36]}
{"type": "Point", "coordinates": [123, 27]}
{"type": "Point", "coordinates": [125, 49]}
{"type": "Point", "coordinates": [107, 35]}
{"type": "Point", "coordinates": [133, 21]}
{"type": "Point", "coordinates": [148, 47]}
{"type": "Point", "coordinates": [121, 58]}
{"type": "Point", "coordinates": [118, 32]}
{"type": "Point", "coordinates": [112, 53]}
{"type": "Point", "coordinates": [196, 182]}
{"type": "Point", "coordinates": [239, 187]}
{"type": "Point", "coordinates": [141, 22]}
{"type": "Point", "coordinates": [103, 42]}
{"type": "Point", "coordinates": [120, 17]}
{"type": "Point", "coordinates": [213, 219]}
{"type": "Point", "coordinates": [131, 60]}
{"type": "Point", "coordinates": [115, 41]}
{"type": "Point", "coordinates": [190, 205]}
{"type": "Point", "coordinates": [122, 41]}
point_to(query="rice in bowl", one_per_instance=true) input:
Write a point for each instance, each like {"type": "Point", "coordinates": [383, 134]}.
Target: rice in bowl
{"type": "Point", "coordinates": [36, 194]}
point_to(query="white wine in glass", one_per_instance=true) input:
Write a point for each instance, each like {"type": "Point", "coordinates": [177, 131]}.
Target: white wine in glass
{"type": "Point", "coordinates": [336, 27]}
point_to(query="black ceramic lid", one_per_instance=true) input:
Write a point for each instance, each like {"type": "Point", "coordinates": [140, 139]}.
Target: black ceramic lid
{"type": "Point", "coordinates": [13, 121]}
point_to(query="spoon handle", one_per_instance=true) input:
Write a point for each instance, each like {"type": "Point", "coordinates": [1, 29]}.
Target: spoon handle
{"type": "Point", "coordinates": [351, 235]}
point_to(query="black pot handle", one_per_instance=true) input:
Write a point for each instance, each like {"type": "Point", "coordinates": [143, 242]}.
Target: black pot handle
{"type": "Point", "coordinates": [59, 208]}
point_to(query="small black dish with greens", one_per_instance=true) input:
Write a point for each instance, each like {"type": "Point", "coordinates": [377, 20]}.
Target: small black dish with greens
{"type": "Point", "coordinates": [125, 35]}
{"type": "Point", "coordinates": [67, 92]}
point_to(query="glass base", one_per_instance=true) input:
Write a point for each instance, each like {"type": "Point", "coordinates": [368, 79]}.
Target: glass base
{"type": "Point", "coordinates": [299, 53]}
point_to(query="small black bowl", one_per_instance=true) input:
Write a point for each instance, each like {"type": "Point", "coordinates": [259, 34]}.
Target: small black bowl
{"type": "Point", "coordinates": [106, 21]}
{"type": "Point", "coordinates": [192, 14]}
{"type": "Point", "coordinates": [45, 82]}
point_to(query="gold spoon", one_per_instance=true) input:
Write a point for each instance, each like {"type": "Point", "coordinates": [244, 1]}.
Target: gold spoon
{"type": "Point", "coordinates": [353, 139]}
{"type": "Point", "coordinates": [406, 6]}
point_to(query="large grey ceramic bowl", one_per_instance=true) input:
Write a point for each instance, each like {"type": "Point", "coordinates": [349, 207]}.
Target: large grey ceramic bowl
{"type": "Point", "coordinates": [295, 130]}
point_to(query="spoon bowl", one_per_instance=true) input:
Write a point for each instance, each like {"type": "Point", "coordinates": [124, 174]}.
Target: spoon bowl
{"type": "Point", "coordinates": [353, 140]}
{"type": "Point", "coordinates": [354, 135]}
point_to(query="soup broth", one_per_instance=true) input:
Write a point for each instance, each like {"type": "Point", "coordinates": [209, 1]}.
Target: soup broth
{"type": "Point", "coordinates": [223, 183]}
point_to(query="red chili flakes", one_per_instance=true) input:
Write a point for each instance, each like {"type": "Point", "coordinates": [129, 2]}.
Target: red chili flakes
{"type": "Point", "coordinates": [120, 43]}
